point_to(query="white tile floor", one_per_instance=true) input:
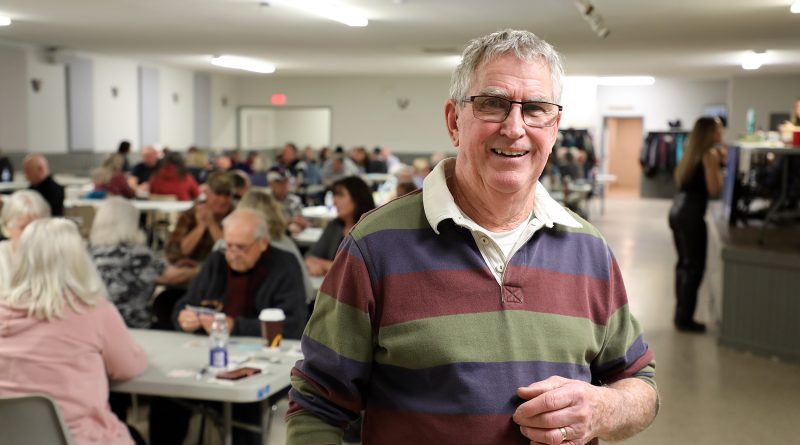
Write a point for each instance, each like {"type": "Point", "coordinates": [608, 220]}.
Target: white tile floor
{"type": "Point", "coordinates": [709, 394]}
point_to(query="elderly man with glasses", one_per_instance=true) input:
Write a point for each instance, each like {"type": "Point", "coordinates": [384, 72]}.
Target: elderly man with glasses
{"type": "Point", "coordinates": [478, 311]}
{"type": "Point", "coordinates": [245, 278]}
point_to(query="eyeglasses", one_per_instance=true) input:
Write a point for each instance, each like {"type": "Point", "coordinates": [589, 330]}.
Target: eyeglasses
{"type": "Point", "coordinates": [240, 248]}
{"type": "Point", "coordinates": [495, 109]}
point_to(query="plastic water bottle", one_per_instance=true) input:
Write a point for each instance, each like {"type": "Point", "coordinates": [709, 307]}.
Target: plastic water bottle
{"type": "Point", "coordinates": [218, 351]}
{"type": "Point", "coordinates": [6, 175]}
{"type": "Point", "coordinates": [329, 199]}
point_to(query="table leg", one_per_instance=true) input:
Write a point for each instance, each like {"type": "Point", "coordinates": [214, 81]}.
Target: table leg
{"type": "Point", "coordinates": [266, 419]}
{"type": "Point", "coordinates": [227, 428]}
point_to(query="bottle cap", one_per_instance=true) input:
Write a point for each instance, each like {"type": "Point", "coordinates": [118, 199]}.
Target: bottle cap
{"type": "Point", "coordinates": [219, 316]}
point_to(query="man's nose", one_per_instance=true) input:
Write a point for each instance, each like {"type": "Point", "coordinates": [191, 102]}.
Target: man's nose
{"type": "Point", "coordinates": [514, 126]}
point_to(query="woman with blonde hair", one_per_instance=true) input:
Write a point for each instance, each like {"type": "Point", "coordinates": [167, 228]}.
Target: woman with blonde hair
{"type": "Point", "coordinates": [61, 337]}
{"type": "Point", "coordinates": [698, 176]}
{"type": "Point", "coordinates": [19, 210]}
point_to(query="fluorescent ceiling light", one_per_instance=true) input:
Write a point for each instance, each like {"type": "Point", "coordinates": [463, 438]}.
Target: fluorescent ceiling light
{"type": "Point", "coordinates": [243, 63]}
{"type": "Point", "coordinates": [753, 60]}
{"type": "Point", "coordinates": [626, 81]}
{"type": "Point", "coordinates": [795, 8]}
{"type": "Point", "coordinates": [329, 9]}
{"type": "Point", "coordinates": [4, 21]}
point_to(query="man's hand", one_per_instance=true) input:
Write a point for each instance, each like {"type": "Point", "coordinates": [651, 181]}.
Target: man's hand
{"type": "Point", "coordinates": [560, 410]}
{"type": "Point", "coordinates": [188, 321]}
{"type": "Point", "coordinates": [203, 215]}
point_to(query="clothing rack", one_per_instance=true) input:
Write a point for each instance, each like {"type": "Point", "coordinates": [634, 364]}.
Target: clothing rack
{"type": "Point", "coordinates": [661, 151]}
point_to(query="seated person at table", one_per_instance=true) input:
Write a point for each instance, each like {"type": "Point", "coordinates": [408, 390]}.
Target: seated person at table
{"type": "Point", "coordinates": [118, 182]}
{"type": "Point", "coordinates": [352, 198]}
{"type": "Point", "coordinates": [266, 204]}
{"type": "Point", "coordinates": [172, 178]}
{"type": "Point", "coordinates": [246, 278]}
{"type": "Point", "coordinates": [37, 172]}
{"type": "Point", "coordinates": [19, 210]}
{"type": "Point", "coordinates": [61, 337]}
{"type": "Point", "coordinates": [291, 204]}
{"type": "Point", "coordinates": [128, 267]}
{"type": "Point", "coordinates": [141, 172]}
{"type": "Point", "coordinates": [200, 227]}
{"type": "Point", "coordinates": [241, 183]}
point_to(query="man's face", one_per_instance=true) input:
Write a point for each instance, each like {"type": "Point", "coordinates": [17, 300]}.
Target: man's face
{"type": "Point", "coordinates": [280, 189]}
{"type": "Point", "coordinates": [219, 203]}
{"type": "Point", "coordinates": [149, 157]}
{"type": "Point", "coordinates": [243, 248]}
{"type": "Point", "coordinates": [509, 156]}
{"type": "Point", "coordinates": [33, 172]}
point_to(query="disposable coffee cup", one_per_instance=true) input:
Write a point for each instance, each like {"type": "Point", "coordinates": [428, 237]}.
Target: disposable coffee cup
{"type": "Point", "coordinates": [272, 326]}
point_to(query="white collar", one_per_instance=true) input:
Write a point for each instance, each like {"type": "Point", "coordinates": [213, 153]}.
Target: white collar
{"type": "Point", "coordinates": [439, 204]}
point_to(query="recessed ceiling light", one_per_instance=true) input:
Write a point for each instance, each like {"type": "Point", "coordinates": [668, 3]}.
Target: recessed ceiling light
{"type": "Point", "coordinates": [795, 8]}
{"type": "Point", "coordinates": [626, 81]}
{"type": "Point", "coordinates": [243, 63]}
{"type": "Point", "coordinates": [753, 60]}
{"type": "Point", "coordinates": [329, 9]}
{"type": "Point", "coordinates": [5, 21]}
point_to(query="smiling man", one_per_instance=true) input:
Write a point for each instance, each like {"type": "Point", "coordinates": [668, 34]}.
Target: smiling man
{"type": "Point", "coordinates": [479, 310]}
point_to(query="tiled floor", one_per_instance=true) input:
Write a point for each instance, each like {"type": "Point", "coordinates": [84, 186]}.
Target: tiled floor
{"type": "Point", "coordinates": [709, 394]}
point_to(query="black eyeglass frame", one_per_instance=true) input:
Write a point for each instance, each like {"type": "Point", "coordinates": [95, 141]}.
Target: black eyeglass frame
{"type": "Point", "coordinates": [511, 103]}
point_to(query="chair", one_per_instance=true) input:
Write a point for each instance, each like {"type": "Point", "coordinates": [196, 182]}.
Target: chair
{"type": "Point", "coordinates": [32, 419]}
{"type": "Point", "coordinates": [83, 215]}
{"type": "Point", "coordinates": [160, 224]}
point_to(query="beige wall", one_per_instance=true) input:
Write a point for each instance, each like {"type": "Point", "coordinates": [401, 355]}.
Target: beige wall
{"type": "Point", "coordinates": [366, 110]}
{"type": "Point", "coordinates": [766, 94]}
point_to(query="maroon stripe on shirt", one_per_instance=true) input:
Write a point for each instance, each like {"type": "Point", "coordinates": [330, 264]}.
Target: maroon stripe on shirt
{"type": "Point", "coordinates": [389, 427]}
{"type": "Point", "coordinates": [470, 292]}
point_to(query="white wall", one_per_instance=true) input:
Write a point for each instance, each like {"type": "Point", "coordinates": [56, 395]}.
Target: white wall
{"type": "Point", "coordinates": [667, 100]}
{"type": "Point", "coordinates": [365, 109]}
{"type": "Point", "coordinates": [766, 94]}
{"type": "Point", "coordinates": [13, 99]}
{"type": "Point", "coordinates": [177, 118]}
{"type": "Point", "coordinates": [303, 126]}
{"type": "Point", "coordinates": [47, 108]}
{"type": "Point", "coordinates": [223, 115]}
{"type": "Point", "coordinates": [579, 100]}
{"type": "Point", "coordinates": [115, 118]}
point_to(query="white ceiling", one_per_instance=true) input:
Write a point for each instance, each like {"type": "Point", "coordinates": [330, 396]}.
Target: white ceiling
{"type": "Point", "coordinates": [684, 38]}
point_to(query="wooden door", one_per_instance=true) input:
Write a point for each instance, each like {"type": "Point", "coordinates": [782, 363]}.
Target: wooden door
{"type": "Point", "coordinates": [624, 145]}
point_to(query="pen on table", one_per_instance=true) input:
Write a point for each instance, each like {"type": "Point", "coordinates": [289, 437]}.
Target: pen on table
{"type": "Point", "coordinates": [202, 372]}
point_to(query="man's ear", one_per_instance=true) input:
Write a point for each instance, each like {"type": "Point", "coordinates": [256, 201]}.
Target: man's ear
{"type": "Point", "coordinates": [451, 120]}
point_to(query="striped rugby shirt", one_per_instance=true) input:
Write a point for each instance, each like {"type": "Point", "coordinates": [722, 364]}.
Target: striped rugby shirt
{"type": "Point", "coordinates": [412, 327]}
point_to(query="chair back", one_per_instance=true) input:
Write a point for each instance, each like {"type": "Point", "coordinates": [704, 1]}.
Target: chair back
{"type": "Point", "coordinates": [83, 215]}
{"type": "Point", "coordinates": [32, 419]}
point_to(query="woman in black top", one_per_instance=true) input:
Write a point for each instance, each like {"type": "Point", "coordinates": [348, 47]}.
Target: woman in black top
{"type": "Point", "coordinates": [698, 176]}
{"type": "Point", "coordinates": [352, 198]}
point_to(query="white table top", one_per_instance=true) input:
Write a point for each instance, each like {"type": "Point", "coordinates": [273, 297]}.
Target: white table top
{"type": "Point", "coordinates": [175, 359]}
{"type": "Point", "coordinates": [13, 186]}
{"type": "Point", "coordinates": [308, 237]}
{"type": "Point", "coordinates": [319, 212]}
{"type": "Point", "coordinates": [161, 206]}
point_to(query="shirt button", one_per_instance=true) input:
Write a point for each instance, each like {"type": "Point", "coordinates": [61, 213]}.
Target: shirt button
{"type": "Point", "coordinates": [485, 241]}
{"type": "Point", "coordinates": [500, 268]}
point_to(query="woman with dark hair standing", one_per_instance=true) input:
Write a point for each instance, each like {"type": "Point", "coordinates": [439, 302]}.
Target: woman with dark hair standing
{"type": "Point", "coordinates": [172, 178]}
{"type": "Point", "coordinates": [352, 198]}
{"type": "Point", "coordinates": [698, 177]}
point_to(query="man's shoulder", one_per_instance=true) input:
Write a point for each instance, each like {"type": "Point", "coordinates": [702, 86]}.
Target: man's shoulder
{"type": "Point", "coordinates": [403, 213]}
{"type": "Point", "coordinates": [586, 227]}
